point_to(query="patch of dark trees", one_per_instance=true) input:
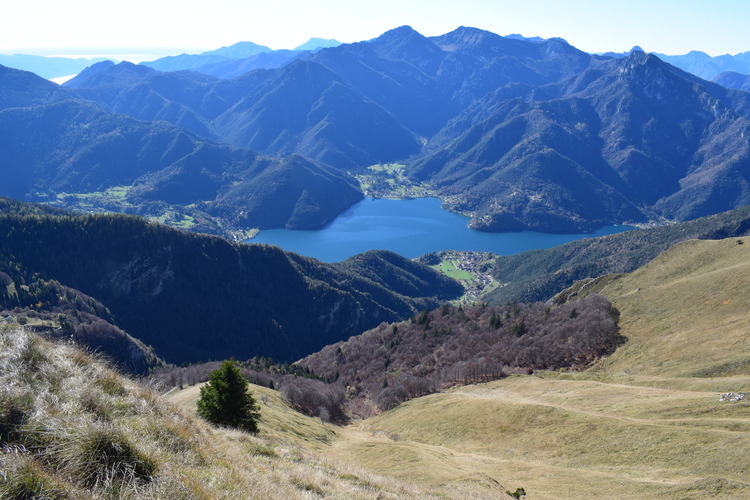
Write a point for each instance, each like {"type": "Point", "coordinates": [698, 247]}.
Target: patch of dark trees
{"type": "Point", "coordinates": [464, 345]}
{"type": "Point", "coordinates": [434, 350]}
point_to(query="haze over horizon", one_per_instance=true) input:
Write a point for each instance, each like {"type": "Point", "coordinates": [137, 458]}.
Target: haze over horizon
{"type": "Point", "coordinates": [147, 31]}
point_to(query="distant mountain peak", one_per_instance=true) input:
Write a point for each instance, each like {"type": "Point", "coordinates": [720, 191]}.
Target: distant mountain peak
{"type": "Point", "coordinates": [107, 72]}
{"type": "Point", "coordinates": [318, 43]}
{"type": "Point", "coordinates": [239, 50]}
{"type": "Point", "coordinates": [636, 48]}
{"type": "Point", "coordinates": [640, 57]}
{"type": "Point", "coordinates": [466, 30]}
{"type": "Point", "coordinates": [639, 66]}
{"type": "Point", "coordinates": [557, 45]}
{"type": "Point", "coordinates": [401, 30]}
{"type": "Point", "coordinates": [404, 43]}
{"type": "Point", "coordinates": [465, 37]}
{"type": "Point", "coordinates": [396, 34]}
{"type": "Point", "coordinates": [130, 67]}
{"type": "Point", "coordinates": [97, 68]}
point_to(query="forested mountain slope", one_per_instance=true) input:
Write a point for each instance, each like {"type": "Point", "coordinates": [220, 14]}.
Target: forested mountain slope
{"type": "Point", "coordinates": [626, 139]}
{"type": "Point", "coordinates": [196, 297]}
{"type": "Point", "coordinates": [54, 142]}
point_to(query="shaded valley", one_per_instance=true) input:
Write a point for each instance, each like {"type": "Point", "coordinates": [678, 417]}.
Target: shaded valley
{"type": "Point", "coordinates": [196, 297]}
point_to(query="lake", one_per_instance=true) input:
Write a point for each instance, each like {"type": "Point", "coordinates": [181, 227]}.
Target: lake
{"type": "Point", "coordinates": [410, 228]}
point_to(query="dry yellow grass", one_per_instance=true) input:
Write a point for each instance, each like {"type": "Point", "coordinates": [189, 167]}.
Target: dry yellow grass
{"type": "Point", "coordinates": [282, 428]}
{"type": "Point", "coordinates": [561, 439]}
{"type": "Point", "coordinates": [686, 313]}
{"type": "Point", "coordinates": [644, 423]}
{"type": "Point", "coordinates": [74, 428]}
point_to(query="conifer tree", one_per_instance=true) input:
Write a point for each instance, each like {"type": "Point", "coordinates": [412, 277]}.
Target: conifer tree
{"type": "Point", "coordinates": [226, 401]}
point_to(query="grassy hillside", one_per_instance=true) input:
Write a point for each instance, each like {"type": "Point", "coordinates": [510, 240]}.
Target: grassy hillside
{"type": "Point", "coordinates": [646, 422]}
{"type": "Point", "coordinates": [685, 313]}
{"type": "Point", "coordinates": [540, 274]}
{"type": "Point", "coordinates": [280, 424]}
{"type": "Point", "coordinates": [70, 427]}
{"type": "Point", "coordinates": [562, 439]}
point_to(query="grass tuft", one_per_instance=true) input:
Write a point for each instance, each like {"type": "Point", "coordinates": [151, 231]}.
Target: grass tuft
{"type": "Point", "coordinates": [111, 383]}
{"type": "Point", "coordinates": [263, 451]}
{"type": "Point", "coordinates": [14, 408]}
{"type": "Point", "coordinates": [305, 485]}
{"type": "Point", "coordinates": [103, 456]}
{"type": "Point", "coordinates": [21, 477]}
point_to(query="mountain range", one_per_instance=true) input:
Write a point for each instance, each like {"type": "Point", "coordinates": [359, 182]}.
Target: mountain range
{"type": "Point", "coordinates": [517, 133]}
{"type": "Point", "coordinates": [520, 134]}
{"type": "Point", "coordinates": [699, 63]}
{"type": "Point", "coordinates": [53, 141]}
{"type": "Point", "coordinates": [707, 67]}
{"type": "Point", "coordinates": [234, 60]}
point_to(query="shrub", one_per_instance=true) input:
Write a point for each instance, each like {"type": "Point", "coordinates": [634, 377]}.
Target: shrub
{"type": "Point", "coordinates": [315, 398]}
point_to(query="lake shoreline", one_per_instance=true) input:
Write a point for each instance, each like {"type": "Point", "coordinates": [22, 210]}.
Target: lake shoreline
{"type": "Point", "coordinates": [409, 227]}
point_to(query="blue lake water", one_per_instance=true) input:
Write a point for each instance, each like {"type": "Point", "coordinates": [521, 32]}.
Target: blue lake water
{"type": "Point", "coordinates": [410, 228]}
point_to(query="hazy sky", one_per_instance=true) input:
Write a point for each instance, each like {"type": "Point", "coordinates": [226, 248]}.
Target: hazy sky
{"type": "Point", "coordinates": [98, 26]}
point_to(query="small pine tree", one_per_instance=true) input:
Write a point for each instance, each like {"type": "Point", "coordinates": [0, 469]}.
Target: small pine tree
{"type": "Point", "coordinates": [519, 328]}
{"type": "Point", "coordinates": [226, 401]}
{"type": "Point", "coordinates": [495, 321]}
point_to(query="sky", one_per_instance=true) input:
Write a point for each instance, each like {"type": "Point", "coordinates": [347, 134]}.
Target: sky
{"type": "Point", "coordinates": [147, 29]}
